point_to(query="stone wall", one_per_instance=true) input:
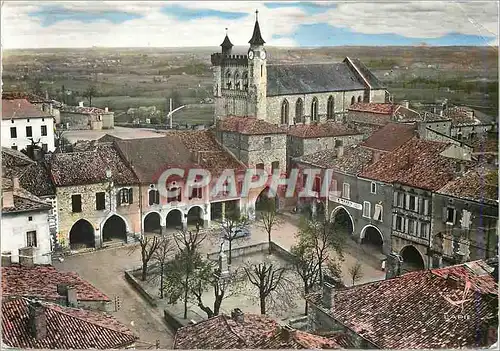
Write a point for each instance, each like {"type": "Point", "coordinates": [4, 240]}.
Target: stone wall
{"type": "Point", "coordinates": [378, 95]}
{"type": "Point", "coordinates": [368, 118]}
{"type": "Point", "coordinates": [259, 153]}
{"type": "Point", "coordinates": [76, 121]}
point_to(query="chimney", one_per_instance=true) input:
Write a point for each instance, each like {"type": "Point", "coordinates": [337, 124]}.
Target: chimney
{"type": "Point", "coordinates": [327, 296]}
{"type": "Point", "coordinates": [7, 198]}
{"type": "Point", "coordinates": [340, 151]}
{"type": "Point", "coordinates": [470, 114]}
{"type": "Point", "coordinates": [237, 315]}
{"type": "Point", "coordinates": [69, 293]}
{"type": "Point", "coordinates": [441, 113]}
{"type": "Point", "coordinates": [46, 95]}
{"type": "Point", "coordinates": [6, 258]}
{"type": "Point", "coordinates": [80, 104]}
{"type": "Point", "coordinates": [37, 320]}
{"type": "Point", "coordinates": [27, 257]}
{"type": "Point", "coordinates": [452, 281]}
{"type": "Point", "coordinates": [15, 183]}
{"type": "Point", "coordinates": [106, 110]}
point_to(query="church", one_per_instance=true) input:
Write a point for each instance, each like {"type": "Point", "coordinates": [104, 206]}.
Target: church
{"type": "Point", "coordinates": [288, 94]}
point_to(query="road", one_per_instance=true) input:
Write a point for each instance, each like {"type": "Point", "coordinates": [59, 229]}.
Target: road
{"type": "Point", "coordinates": [105, 270]}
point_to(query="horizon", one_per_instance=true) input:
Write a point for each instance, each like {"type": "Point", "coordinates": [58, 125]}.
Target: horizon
{"type": "Point", "coordinates": [287, 24]}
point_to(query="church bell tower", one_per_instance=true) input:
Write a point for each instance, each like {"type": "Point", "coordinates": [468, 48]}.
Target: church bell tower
{"type": "Point", "coordinates": [257, 58]}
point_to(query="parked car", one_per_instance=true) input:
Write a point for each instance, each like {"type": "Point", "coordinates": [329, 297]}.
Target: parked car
{"type": "Point", "coordinates": [239, 232]}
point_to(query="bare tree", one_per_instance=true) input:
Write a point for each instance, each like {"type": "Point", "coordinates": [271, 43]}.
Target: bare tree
{"type": "Point", "coordinates": [232, 221]}
{"type": "Point", "coordinates": [306, 265]}
{"type": "Point", "coordinates": [148, 246]}
{"type": "Point", "coordinates": [267, 278]}
{"type": "Point", "coordinates": [269, 217]}
{"type": "Point", "coordinates": [356, 272]}
{"type": "Point", "coordinates": [322, 237]}
{"type": "Point", "coordinates": [90, 93]}
{"type": "Point", "coordinates": [161, 256]}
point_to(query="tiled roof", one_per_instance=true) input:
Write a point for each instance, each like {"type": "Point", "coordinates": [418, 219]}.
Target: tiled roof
{"type": "Point", "coordinates": [311, 78]}
{"type": "Point", "coordinates": [36, 179]}
{"type": "Point", "coordinates": [478, 184]}
{"type": "Point", "coordinates": [416, 163]}
{"type": "Point", "coordinates": [390, 137]}
{"type": "Point", "coordinates": [481, 145]}
{"type": "Point", "coordinates": [373, 107]}
{"type": "Point", "coordinates": [353, 161]}
{"type": "Point", "coordinates": [256, 331]}
{"type": "Point", "coordinates": [414, 311]}
{"type": "Point", "coordinates": [41, 282]}
{"type": "Point", "coordinates": [461, 115]}
{"type": "Point", "coordinates": [83, 110]}
{"type": "Point", "coordinates": [150, 156]}
{"type": "Point", "coordinates": [405, 115]}
{"type": "Point", "coordinates": [89, 167]}
{"type": "Point", "coordinates": [21, 108]}
{"type": "Point", "coordinates": [26, 202]}
{"type": "Point", "coordinates": [14, 158]}
{"type": "Point", "coordinates": [212, 156]}
{"type": "Point", "coordinates": [67, 328]}
{"type": "Point", "coordinates": [321, 130]}
{"type": "Point", "coordinates": [248, 125]}
{"type": "Point", "coordinates": [14, 95]}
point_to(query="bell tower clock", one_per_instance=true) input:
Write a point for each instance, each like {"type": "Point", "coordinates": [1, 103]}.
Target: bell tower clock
{"type": "Point", "coordinates": [257, 57]}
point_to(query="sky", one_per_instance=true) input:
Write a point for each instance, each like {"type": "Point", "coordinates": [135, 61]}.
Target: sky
{"type": "Point", "coordinates": [60, 24]}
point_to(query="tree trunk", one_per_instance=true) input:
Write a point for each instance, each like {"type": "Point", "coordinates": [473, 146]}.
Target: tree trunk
{"type": "Point", "coordinates": [161, 282]}
{"type": "Point", "coordinates": [217, 304]}
{"type": "Point", "coordinates": [269, 240]}
{"type": "Point", "coordinates": [205, 309]}
{"type": "Point", "coordinates": [262, 304]}
{"type": "Point", "coordinates": [186, 291]}
{"type": "Point", "coordinates": [306, 291]}
{"type": "Point", "coordinates": [230, 251]}
{"type": "Point", "coordinates": [90, 101]}
{"type": "Point", "coordinates": [144, 270]}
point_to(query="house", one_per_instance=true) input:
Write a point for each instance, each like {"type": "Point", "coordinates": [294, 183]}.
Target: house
{"type": "Point", "coordinates": [465, 217]}
{"type": "Point", "coordinates": [416, 170]}
{"type": "Point", "coordinates": [97, 196]}
{"type": "Point", "coordinates": [43, 103]}
{"type": "Point", "coordinates": [453, 307]}
{"type": "Point", "coordinates": [82, 117]}
{"type": "Point", "coordinates": [246, 331]}
{"type": "Point", "coordinates": [468, 123]}
{"type": "Point", "coordinates": [381, 113]}
{"type": "Point", "coordinates": [31, 324]}
{"type": "Point", "coordinates": [25, 125]}
{"type": "Point", "coordinates": [45, 283]}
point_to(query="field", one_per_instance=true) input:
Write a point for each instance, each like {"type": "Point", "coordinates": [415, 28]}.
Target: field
{"type": "Point", "coordinates": [133, 77]}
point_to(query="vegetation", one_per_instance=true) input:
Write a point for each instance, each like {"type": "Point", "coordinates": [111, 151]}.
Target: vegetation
{"type": "Point", "coordinates": [233, 219]}
{"type": "Point", "coordinates": [268, 217]}
{"type": "Point", "coordinates": [356, 272]}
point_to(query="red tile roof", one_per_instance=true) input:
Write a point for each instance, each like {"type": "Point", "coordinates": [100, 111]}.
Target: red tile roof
{"type": "Point", "coordinates": [374, 107]}
{"type": "Point", "coordinates": [21, 108]}
{"type": "Point", "coordinates": [248, 126]}
{"type": "Point", "coordinates": [416, 163]}
{"type": "Point", "coordinates": [12, 95]}
{"type": "Point", "coordinates": [67, 328]}
{"type": "Point", "coordinates": [478, 184]}
{"type": "Point", "coordinates": [86, 110]}
{"type": "Point", "coordinates": [256, 331]}
{"type": "Point", "coordinates": [321, 130]}
{"type": "Point", "coordinates": [413, 311]}
{"type": "Point", "coordinates": [41, 282]}
{"type": "Point", "coordinates": [390, 137]}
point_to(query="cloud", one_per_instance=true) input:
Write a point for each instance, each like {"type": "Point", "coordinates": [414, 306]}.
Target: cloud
{"type": "Point", "coordinates": [202, 23]}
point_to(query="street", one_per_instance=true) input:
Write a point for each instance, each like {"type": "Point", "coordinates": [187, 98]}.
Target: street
{"type": "Point", "coordinates": [105, 270]}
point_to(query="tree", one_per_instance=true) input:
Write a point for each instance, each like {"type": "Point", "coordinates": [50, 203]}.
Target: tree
{"type": "Point", "coordinates": [356, 272]}
{"type": "Point", "coordinates": [269, 217]}
{"type": "Point", "coordinates": [161, 257]}
{"type": "Point", "coordinates": [176, 100]}
{"type": "Point", "coordinates": [149, 245]}
{"type": "Point", "coordinates": [231, 221]}
{"type": "Point", "coordinates": [267, 278]}
{"type": "Point", "coordinates": [306, 265]}
{"type": "Point", "coordinates": [90, 93]}
{"type": "Point", "coordinates": [322, 237]}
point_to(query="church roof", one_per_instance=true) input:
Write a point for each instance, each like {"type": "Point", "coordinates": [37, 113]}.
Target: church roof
{"type": "Point", "coordinates": [227, 43]}
{"type": "Point", "coordinates": [311, 78]}
{"type": "Point", "coordinates": [256, 36]}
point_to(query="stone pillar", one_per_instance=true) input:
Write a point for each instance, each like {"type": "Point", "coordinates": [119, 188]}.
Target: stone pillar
{"type": "Point", "coordinates": [223, 210]}
{"type": "Point", "coordinates": [313, 209]}
{"type": "Point", "coordinates": [97, 238]}
{"type": "Point", "coordinates": [206, 216]}
{"type": "Point", "coordinates": [184, 221]}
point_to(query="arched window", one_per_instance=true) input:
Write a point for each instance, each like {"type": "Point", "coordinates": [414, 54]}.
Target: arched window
{"type": "Point", "coordinates": [245, 80]}
{"type": "Point", "coordinates": [353, 100]}
{"type": "Point", "coordinates": [284, 112]}
{"type": "Point", "coordinates": [359, 98]}
{"type": "Point", "coordinates": [237, 82]}
{"type": "Point", "coordinates": [299, 111]}
{"type": "Point", "coordinates": [228, 79]}
{"type": "Point", "coordinates": [314, 110]}
{"type": "Point", "coordinates": [330, 108]}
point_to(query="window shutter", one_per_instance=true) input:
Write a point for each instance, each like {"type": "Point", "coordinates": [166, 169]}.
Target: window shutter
{"type": "Point", "coordinates": [157, 196]}
{"type": "Point", "coordinates": [417, 204]}
{"type": "Point", "coordinates": [130, 195]}
{"type": "Point", "coordinates": [407, 201]}
{"type": "Point", "coordinates": [394, 220]}
{"type": "Point", "coordinates": [454, 216]}
{"type": "Point", "coordinates": [417, 228]}
{"type": "Point", "coordinates": [118, 197]}
{"type": "Point", "coordinates": [395, 199]}
{"type": "Point", "coordinates": [445, 213]}
{"type": "Point", "coordinates": [405, 225]}
{"type": "Point", "coordinates": [426, 207]}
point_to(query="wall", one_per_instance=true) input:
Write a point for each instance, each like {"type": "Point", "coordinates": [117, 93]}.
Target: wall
{"type": "Point", "coordinates": [77, 121]}
{"type": "Point", "coordinates": [459, 152]}
{"type": "Point", "coordinates": [257, 152]}
{"type": "Point", "coordinates": [378, 95]}
{"type": "Point", "coordinates": [342, 102]}
{"type": "Point", "coordinates": [368, 118]}
{"type": "Point", "coordinates": [312, 145]}
{"type": "Point", "coordinates": [14, 228]}
{"type": "Point", "coordinates": [108, 120]}
{"type": "Point", "coordinates": [478, 241]}
{"type": "Point", "coordinates": [130, 213]}
{"type": "Point", "coordinates": [22, 140]}
{"type": "Point", "coordinates": [466, 130]}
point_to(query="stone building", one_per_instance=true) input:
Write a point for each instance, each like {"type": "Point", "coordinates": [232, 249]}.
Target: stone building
{"type": "Point", "coordinates": [82, 117]}
{"type": "Point", "coordinates": [245, 85]}
{"type": "Point", "coordinates": [468, 123]}
{"type": "Point", "coordinates": [417, 310]}
{"type": "Point", "coordinates": [465, 218]}
{"type": "Point", "coordinates": [97, 197]}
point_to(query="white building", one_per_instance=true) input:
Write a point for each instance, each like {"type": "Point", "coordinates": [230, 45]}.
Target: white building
{"type": "Point", "coordinates": [25, 224]}
{"type": "Point", "coordinates": [23, 123]}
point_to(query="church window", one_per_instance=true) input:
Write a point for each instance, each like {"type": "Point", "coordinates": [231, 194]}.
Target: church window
{"type": "Point", "coordinates": [299, 111]}
{"type": "Point", "coordinates": [228, 79]}
{"type": "Point", "coordinates": [353, 100]}
{"type": "Point", "coordinates": [314, 110]}
{"type": "Point", "coordinates": [245, 80]}
{"type": "Point", "coordinates": [330, 108]}
{"type": "Point", "coordinates": [359, 98]}
{"type": "Point", "coordinates": [284, 112]}
{"type": "Point", "coordinates": [237, 82]}
{"type": "Point", "coordinates": [261, 70]}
